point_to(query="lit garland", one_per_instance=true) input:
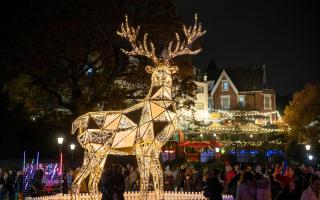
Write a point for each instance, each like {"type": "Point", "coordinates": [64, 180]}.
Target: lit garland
{"type": "Point", "coordinates": [234, 113]}
{"type": "Point", "coordinates": [142, 129]}
{"type": "Point", "coordinates": [228, 129]}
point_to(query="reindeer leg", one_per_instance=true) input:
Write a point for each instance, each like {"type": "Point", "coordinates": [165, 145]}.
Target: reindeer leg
{"type": "Point", "coordinates": [83, 173]}
{"type": "Point", "coordinates": [157, 176]}
{"type": "Point", "coordinates": [143, 164]}
{"type": "Point", "coordinates": [89, 164]}
{"type": "Point", "coordinates": [96, 175]}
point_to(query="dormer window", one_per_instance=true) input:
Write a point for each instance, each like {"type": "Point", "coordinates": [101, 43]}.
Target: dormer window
{"type": "Point", "coordinates": [225, 85]}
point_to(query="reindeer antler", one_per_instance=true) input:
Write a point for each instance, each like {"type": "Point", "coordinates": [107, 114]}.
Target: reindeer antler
{"type": "Point", "coordinates": [129, 33]}
{"type": "Point", "coordinates": [192, 34]}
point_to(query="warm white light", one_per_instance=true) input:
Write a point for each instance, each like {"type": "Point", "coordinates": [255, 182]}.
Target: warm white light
{"type": "Point", "coordinates": [72, 146]}
{"type": "Point", "coordinates": [251, 135]}
{"type": "Point", "coordinates": [215, 135]}
{"type": "Point", "coordinates": [217, 149]}
{"type": "Point", "coordinates": [60, 140]}
{"type": "Point", "coordinates": [223, 151]}
{"type": "Point", "coordinates": [308, 147]}
{"type": "Point", "coordinates": [310, 157]}
{"type": "Point", "coordinates": [132, 127]}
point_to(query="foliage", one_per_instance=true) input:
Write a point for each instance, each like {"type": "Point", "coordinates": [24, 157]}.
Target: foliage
{"type": "Point", "coordinates": [295, 152]}
{"type": "Point", "coordinates": [67, 60]}
{"type": "Point", "coordinates": [303, 109]}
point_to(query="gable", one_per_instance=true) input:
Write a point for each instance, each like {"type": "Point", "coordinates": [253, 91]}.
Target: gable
{"type": "Point", "coordinates": [223, 76]}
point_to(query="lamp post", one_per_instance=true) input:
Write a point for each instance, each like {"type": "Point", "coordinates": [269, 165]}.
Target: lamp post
{"type": "Point", "coordinates": [310, 157]}
{"type": "Point", "coordinates": [72, 147]}
{"type": "Point", "coordinates": [308, 147]}
{"type": "Point", "coordinates": [60, 142]}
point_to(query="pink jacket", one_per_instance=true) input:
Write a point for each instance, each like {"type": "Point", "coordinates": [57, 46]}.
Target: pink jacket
{"type": "Point", "coordinates": [308, 194]}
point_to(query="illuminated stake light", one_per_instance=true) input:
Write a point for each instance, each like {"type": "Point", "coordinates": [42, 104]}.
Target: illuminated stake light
{"type": "Point", "coordinates": [60, 140]}
{"type": "Point", "coordinates": [217, 149]}
{"type": "Point", "coordinates": [136, 130]}
{"type": "Point", "coordinates": [308, 147]}
{"type": "Point", "coordinates": [168, 151]}
{"type": "Point", "coordinates": [310, 157]}
{"type": "Point", "coordinates": [72, 146]}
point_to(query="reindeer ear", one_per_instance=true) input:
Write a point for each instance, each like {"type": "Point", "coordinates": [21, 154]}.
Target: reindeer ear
{"type": "Point", "coordinates": [174, 69]}
{"type": "Point", "coordinates": [149, 69]}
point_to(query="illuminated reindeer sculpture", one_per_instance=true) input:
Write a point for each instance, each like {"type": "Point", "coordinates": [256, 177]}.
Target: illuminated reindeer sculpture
{"type": "Point", "coordinates": [142, 129]}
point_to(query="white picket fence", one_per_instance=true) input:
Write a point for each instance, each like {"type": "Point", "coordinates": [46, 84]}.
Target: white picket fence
{"type": "Point", "coordinates": [132, 196]}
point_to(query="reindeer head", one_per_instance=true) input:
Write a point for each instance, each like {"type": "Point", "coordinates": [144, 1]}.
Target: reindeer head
{"type": "Point", "coordinates": [163, 68]}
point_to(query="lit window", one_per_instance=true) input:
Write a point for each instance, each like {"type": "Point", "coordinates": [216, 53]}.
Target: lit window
{"type": "Point", "coordinates": [225, 102]}
{"type": "Point", "coordinates": [225, 85]}
{"type": "Point", "coordinates": [199, 106]}
{"type": "Point", "coordinates": [267, 102]}
{"type": "Point", "coordinates": [200, 89]}
{"type": "Point", "coordinates": [242, 101]}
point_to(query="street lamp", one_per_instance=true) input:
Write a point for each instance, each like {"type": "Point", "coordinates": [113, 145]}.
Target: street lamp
{"type": "Point", "coordinates": [72, 147]}
{"type": "Point", "coordinates": [60, 140]}
{"type": "Point", "coordinates": [310, 157]}
{"type": "Point", "coordinates": [308, 147]}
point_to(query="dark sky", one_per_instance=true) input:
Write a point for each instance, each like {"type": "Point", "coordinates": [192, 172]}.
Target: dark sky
{"type": "Point", "coordinates": [282, 34]}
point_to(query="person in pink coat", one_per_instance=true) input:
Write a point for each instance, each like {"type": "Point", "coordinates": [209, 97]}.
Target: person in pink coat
{"type": "Point", "coordinates": [313, 191]}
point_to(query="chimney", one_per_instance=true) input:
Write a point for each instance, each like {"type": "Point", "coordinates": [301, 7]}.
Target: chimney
{"type": "Point", "coordinates": [264, 78]}
{"type": "Point", "coordinates": [205, 78]}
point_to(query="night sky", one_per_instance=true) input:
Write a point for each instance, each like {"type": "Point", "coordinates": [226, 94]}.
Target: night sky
{"type": "Point", "coordinates": [283, 35]}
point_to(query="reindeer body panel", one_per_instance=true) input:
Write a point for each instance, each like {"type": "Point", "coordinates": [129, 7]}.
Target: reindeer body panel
{"type": "Point", "coordinates": [142, 129]}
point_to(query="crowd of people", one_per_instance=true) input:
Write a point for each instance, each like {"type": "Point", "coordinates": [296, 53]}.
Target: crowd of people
{"type": "Point", "coordinates": [10, 184]}
{"type": "Point", "coordinates": [243, 182]}
{"type": "Point", "coordinates": [246, 182]}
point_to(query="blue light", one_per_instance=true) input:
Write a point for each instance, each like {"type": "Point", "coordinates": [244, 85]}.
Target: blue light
{"type": "Point", "coordinates": [89, 72]}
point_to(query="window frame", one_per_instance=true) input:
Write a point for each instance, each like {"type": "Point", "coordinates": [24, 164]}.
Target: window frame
{"type": "Point", "coordinates": [223, 82]}
{"type": "Point", "coordinates": [221, 100]}
{"type": "Point", "coordinates": [267, 96]}
{"type": "Point", "coordinates": [244, 98]}
{"type": "Point", "coordinates": [201, 89]}
{"type": "Point", "coordinates": [201, 105]}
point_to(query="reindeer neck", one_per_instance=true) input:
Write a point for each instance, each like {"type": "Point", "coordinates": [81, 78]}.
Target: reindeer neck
{"type": "Point", "coordinates": [160, 92]}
